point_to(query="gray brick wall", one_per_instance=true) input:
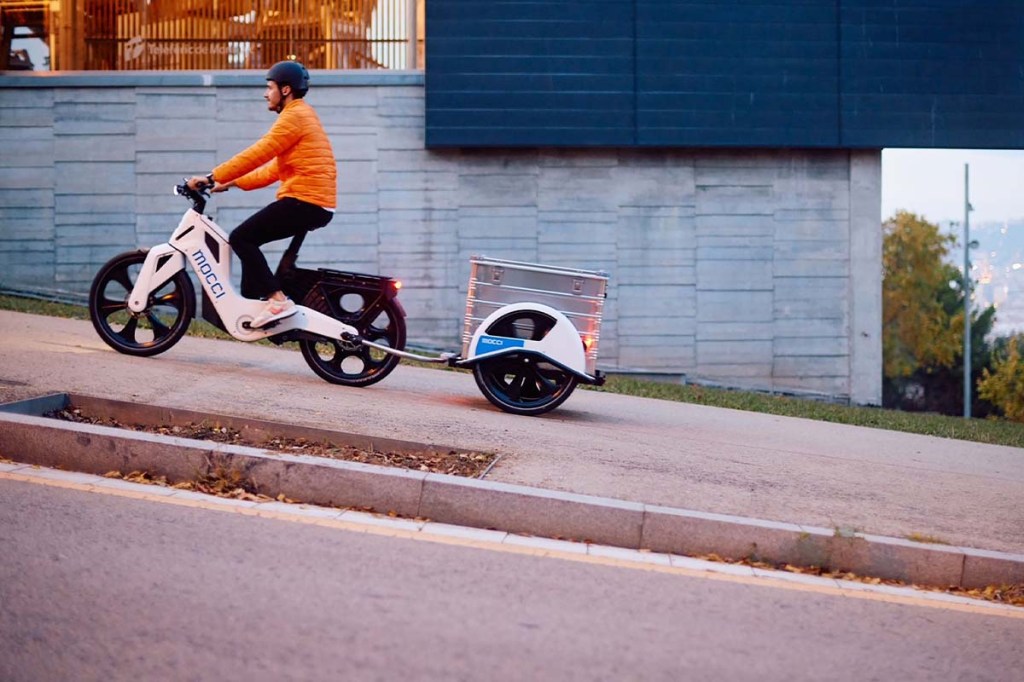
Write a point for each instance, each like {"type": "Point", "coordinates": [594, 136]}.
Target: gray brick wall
{"type": "Point", "coordinates": [748, 268]}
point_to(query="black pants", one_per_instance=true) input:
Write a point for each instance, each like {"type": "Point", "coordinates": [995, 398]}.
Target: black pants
{"type": "Point", "coordinates": [280, 220]}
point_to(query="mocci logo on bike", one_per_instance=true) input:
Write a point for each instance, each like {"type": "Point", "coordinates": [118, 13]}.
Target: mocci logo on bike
{"type": "Point", "coordinates": [206, 270]}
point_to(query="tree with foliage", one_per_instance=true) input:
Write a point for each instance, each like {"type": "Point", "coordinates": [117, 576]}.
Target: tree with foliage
{"type": "Point", "coordinates": [1004, 385]}
{"type": "Point", "coordinates": [916, 329]}
{"type": "Point", "coordinates": [923, 320]}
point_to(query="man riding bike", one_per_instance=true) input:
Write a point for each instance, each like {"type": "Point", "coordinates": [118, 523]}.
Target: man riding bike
{"type": "Point", "coordinates": [296, 151]}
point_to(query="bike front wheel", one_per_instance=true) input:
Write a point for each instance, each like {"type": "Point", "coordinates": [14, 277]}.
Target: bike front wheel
{"type": "Point", "coordinates": [168, 313]}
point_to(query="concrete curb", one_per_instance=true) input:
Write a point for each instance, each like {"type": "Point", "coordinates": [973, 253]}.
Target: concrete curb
{"type": "Point", "coordinates": [32, 439]}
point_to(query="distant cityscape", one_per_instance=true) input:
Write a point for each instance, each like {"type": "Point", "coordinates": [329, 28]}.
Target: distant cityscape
{"type": "Point", "coordinates": [997, 267]}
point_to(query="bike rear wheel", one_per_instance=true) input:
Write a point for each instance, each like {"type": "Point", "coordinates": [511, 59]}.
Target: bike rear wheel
{"type": "Point", "coordinates": [377, 319]}
{"type": "Point", "coordinates": [168, 313]}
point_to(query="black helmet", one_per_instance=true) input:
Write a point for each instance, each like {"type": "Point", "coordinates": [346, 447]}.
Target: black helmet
{"type": "Point", "coordinates": [290, 73]}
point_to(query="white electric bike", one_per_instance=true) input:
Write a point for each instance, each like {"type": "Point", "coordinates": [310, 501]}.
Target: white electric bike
{"type": "Point", "coordinates": [526, 357]}
{"type": "Point", "coordinates": [142, 302]}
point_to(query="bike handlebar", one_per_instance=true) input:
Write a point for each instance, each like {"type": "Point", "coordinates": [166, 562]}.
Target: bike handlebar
{"type": "Point", "coordinates": [197, 197]}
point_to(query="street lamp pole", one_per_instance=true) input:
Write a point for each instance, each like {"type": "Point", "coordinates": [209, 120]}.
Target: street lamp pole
{"type": "Point", "coordinates": [967, 295]}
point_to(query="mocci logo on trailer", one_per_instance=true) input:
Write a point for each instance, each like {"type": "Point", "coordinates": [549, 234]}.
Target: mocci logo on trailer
{"type": "Point", "coordinates": [488, 344]}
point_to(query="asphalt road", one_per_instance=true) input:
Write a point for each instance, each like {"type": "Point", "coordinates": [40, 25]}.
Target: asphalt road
{"type": "Point", "coordinates": [95, 586]}
{"type": "Point", "coordinates": [688, 456]}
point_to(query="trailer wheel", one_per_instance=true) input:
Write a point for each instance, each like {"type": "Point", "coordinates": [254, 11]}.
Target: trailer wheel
{"type": "Point", "coordinates": [522, 383]}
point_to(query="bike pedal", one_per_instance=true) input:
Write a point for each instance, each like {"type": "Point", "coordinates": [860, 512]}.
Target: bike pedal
{"type": "Point", "coordinates": [247, 326]}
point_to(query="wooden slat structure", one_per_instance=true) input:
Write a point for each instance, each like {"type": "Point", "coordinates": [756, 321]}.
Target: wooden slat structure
{"type": "Point", "coordinates": [177, 35]}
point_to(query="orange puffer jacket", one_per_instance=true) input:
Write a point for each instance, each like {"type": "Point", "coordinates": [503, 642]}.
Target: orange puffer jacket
{"type": "Point", "coordinates": [295, 151]}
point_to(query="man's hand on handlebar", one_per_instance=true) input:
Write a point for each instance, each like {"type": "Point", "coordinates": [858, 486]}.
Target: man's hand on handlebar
{"type": "Point", "coordinates": [197, 183]}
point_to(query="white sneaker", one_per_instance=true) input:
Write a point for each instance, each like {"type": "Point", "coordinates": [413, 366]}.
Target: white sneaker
{"type": "Point", "coordinates": [274, 310]}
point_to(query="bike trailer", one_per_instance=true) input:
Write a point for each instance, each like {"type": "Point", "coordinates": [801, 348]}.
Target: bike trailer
{"type": "Point", "coordinates": [577, 294]}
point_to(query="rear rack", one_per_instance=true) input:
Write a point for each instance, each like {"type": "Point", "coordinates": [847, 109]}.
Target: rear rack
{"type": "Point", "coordinates": [357, 279]}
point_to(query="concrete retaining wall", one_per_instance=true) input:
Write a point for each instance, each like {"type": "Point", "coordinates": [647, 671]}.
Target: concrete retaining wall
{"type": "Point", "coordinates": [749, 268]}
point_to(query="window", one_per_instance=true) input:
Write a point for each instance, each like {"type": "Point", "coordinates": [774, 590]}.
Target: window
{"type": "Point", "coordinates": [174, 35]}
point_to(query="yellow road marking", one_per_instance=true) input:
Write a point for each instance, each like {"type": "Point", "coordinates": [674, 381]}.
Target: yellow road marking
{"type": "Point", "coordinates": [983, 608]}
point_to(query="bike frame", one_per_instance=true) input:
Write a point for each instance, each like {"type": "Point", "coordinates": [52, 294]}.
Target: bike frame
{"type": "Point", "coordinates": [200, 242]}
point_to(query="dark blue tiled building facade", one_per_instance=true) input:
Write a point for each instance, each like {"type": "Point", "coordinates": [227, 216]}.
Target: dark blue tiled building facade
{"type": "Point", "coordinates": [855, 74]}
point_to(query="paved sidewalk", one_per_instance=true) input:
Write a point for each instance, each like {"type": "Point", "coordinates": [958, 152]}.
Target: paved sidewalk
{"type": "Point", "coordinates": [633, 449]}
